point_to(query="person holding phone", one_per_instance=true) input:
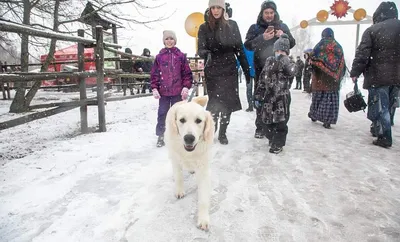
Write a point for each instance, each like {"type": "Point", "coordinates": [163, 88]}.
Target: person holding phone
{"type": "Point", "coordinates": [260, 38]}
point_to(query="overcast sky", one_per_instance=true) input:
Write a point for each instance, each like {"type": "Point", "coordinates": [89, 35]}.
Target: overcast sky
{"type": "Point", "coordinates": [245, 13]}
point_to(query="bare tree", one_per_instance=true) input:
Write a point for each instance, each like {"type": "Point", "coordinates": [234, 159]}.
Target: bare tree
{"type": "Point", "coordinates": [303, 40]}
{"type": "Point", "coordinates": [63, 13]}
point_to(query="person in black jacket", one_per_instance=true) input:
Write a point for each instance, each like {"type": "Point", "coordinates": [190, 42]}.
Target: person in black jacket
{"type": "Point", "coordinates": [260, 38]}
{"type": "Point", "coordinates": [299, 72]}
{"type": "Point", "coordinates": [220, 44]}
{"type": "Point", "coordinates": [127, 66]}
{"type": "Point", "coordinates": [378, 58]}
{"type": "Point", "coordinates": [307, 71]}
{"type": "Point", "coordinates": [144, 66]}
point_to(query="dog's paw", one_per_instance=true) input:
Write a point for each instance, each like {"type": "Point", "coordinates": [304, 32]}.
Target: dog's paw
{"type": "Point", "coordinates": [179, 194]}
{"type": "Point", "coordinates": [203, 224]}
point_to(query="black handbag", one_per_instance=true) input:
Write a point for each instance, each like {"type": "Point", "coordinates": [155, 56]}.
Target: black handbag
{"type": "Point", "coordinates": [354, 100]}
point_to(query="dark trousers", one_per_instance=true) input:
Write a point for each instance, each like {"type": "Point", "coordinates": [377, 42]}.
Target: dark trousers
{"type": "Point", "coordinates": [146, 86]}
{"type": "Point", "coordinates": [378, 111]}
{"type": "Point", "coordinates": [306, 83]}
{"type": "Point", "coordinates": [164, 104]}
{"type": "Point", "coordinates": [291, 82]}
{"type": "Point", "coordinates": [277, 132]}
{"type": "Point", "coordinates": [298, 82]}
{"type": "Point", "coordinates": [249, 92]}
{"type": "Point", "coordinates": [259, 122]}
{"type": "Point", "coordinates": [394, 96]}
{"type": "Point", "coordinates": [224, 121]}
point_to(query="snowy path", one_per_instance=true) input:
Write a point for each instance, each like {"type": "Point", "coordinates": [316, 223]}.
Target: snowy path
{"type": "Point", "coordinates": [327, 185]}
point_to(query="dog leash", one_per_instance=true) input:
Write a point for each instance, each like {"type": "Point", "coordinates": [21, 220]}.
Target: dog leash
{"type": "Point", "coordinates": [196, 86]}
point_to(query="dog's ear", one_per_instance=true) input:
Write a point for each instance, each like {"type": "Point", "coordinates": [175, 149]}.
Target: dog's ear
{"type": "Point", "coordinates": [202, 101]}
{"type": "Point", "coordinates": [209, 127]}
{"type": "Point", "coordinates": [171, 121]}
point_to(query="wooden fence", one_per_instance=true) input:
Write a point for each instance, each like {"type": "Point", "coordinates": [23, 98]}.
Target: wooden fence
{"type": "Point", "coordinates": [100, 73]}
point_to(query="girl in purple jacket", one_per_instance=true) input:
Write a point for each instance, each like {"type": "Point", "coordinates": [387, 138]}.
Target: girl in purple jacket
{"type": "Point", "coordinates": [171, 79]}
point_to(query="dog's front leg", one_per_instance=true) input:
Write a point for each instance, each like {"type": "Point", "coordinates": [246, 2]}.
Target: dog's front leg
{"type": "Point", "coordinates": [178, 177]}
{"type": "Point", "coordinates": [204, 187]}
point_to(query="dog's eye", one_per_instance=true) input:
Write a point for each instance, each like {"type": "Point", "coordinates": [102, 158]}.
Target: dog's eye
{"type": "Point", "coordinates": [198, 121]}
{"type": "Point", "coordinates": [182, 120]}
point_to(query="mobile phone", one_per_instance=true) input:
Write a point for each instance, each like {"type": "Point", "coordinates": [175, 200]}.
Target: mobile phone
{"type": "Point", "coordinates": [270, 29]}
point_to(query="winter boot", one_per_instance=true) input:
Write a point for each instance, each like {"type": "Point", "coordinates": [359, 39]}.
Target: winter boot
{"type": "Point", "coordinates": [309, 115]}
{"type": "Point", "coordinates": [275, 149]}
{"type": "Point", "coordinates": [259, 134]}
{"type": "Point", "coordinates": [222, 134]}
{"type": "Point", "coordinates": [225, 118]}
{"type": "Point", "coordinates": [215, 117]}
{"type": "Point", "coordinates": [382, 142]}
{"type": "Point", "coordinates": [160, 141]}
{"type": "Point", "coordinates": [250, 108]}
{"type": "Point", "coordinates": [326, 125]}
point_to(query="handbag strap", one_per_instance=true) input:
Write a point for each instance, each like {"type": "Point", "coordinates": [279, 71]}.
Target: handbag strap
{"type": "Point", "coordinates": [356, 90]}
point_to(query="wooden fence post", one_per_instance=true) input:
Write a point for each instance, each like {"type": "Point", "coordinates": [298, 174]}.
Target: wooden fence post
{"type": "Point", "coordinates": [82, 83]}
{"type": "Point", "coordinates": [100, 78]}
{"type": "Point", "coordinates": [117, 63]}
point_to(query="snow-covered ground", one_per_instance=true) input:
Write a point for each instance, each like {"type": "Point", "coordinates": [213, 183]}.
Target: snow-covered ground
{"type": "Point", "coordinates": [327, 185]}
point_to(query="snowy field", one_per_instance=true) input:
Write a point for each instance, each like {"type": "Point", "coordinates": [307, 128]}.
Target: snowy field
{"type": "Point", "coordinates": [327, 185]}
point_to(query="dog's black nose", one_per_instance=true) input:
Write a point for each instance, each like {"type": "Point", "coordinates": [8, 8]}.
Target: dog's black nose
{"type": "Point", "coordinates": [189, 138]}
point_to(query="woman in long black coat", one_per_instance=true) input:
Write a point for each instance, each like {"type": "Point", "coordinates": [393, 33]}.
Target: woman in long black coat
{"type": "Point", "coordinates": [220, 43]}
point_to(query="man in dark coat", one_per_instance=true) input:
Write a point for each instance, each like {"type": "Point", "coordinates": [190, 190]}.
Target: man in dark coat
{"type": "Point", "coordinates": [299, 72]}
{"type": "Point", "coordinates": [144, 66]}
{"type": "Point", "coordinates": [260, 38]}
{"type": "Point", "coordinates": [378, 58]}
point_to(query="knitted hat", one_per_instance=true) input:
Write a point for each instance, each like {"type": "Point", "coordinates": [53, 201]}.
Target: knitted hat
{"type": "Point", "coordinates": [268, 4]}
{"type": "Point", "coordinates": [219, 3]}
{"type": "Point", "coordinates": [282, 44]}
{"type": "Point", "coordinates": [169, 34]}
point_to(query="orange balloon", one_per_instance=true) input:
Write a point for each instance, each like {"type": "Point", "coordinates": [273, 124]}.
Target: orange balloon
{"type": "Point", "coordinates": [360, 14]}
{"type": "Point", "coordinates": [304, 24]}
{"type": "Point", "coordinates": [193, 22]}
{"type": "Point", "coordinates": [322, 16]}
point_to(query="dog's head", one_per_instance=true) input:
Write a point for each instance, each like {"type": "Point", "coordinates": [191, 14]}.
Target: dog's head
{"type": "Point", "coordinates": [191, 123]}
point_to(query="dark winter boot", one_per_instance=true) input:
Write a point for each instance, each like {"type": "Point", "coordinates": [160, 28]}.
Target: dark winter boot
{"type": "Point", "coordinates": [326, 125]}
{"type": "Point", "coordinates": [382, 142]}
{"type": "Point", "coordinates": [225, 118]}
{"type": "Point", "coordinates": [250, 108]}
{"type": "Point", "coordinates": [222, 134]}
{"type": "Point", "coordinates": [309, 115]}
{"type": "Point", "coordinates": [275, 149]}
{"type": "Point", "coordinates": [215, 117]}
{"type": "Point", "coordinates": [259, 134]}
{"type": "Point", "coordinates": [160, 141]}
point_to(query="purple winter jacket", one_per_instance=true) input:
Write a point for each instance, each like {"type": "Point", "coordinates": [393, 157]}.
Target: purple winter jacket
{"type": "Point", "coordinates": [171, 72]}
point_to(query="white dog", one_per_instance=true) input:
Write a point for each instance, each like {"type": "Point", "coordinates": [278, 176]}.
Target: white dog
{"type": "Point", "coordinates": [189, 136]}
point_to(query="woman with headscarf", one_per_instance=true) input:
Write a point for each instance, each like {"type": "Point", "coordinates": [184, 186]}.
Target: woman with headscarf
{"type": "Point", "coordinates": [327, 60]}
{"type": "Point", "coordinates": [220, 44]}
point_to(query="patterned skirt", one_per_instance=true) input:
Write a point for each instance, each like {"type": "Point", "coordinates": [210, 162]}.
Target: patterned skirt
{"type": "Point", "coordinates": [325, 106]}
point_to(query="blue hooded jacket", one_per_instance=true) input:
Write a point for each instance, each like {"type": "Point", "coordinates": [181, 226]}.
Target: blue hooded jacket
{"type": "Point", "coordinates": [250, 60]}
